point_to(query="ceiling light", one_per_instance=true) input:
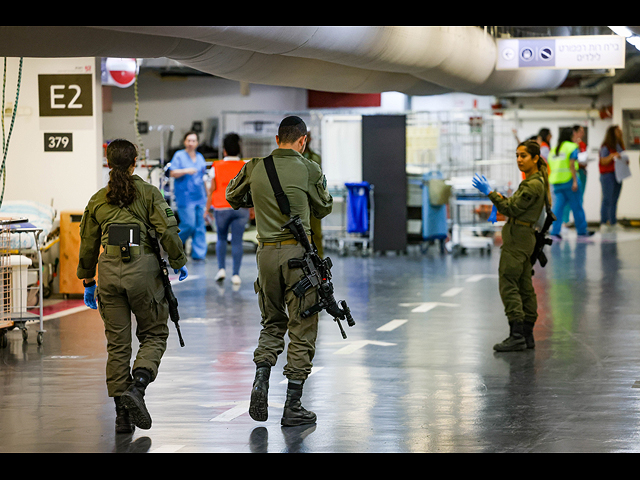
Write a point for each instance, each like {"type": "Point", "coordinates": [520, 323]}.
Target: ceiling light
{"type": "Point", "coordinates": [622, 31]}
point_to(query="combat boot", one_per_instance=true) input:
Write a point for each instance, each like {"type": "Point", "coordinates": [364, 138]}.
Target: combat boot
{"type": "Point", "coordinates": [294, 413]}
{"type": "Point", "coordinates": [123, 420]}
{"type": "Point", "coordinates": [515, 342]}
{"type": "Point", "coordinates": [133, 399]}
{"type": "Point", "coordinates": [259, 406]}
{"type": "Point", "coordinates": [527, 330]}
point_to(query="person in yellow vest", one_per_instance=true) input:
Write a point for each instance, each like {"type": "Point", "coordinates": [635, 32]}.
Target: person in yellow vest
{"type": "Point", "coordinates": [564, 180]}
{"type": "Point", "coordinates": [226, 218]}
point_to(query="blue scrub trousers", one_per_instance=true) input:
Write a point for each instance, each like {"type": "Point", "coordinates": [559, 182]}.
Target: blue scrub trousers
{"type": "Point", "coordinates": [563, 195]}
{"type": "Point", "coordinates": [236, 221]}
{"type": "Point", "coordinates": [582, 183]}
{"type": "Point", "coordinates": [192, 226]}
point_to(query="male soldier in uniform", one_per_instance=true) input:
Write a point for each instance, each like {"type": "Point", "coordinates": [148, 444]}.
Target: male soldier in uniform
{"type": "Point", "coordinates": [305, 186]}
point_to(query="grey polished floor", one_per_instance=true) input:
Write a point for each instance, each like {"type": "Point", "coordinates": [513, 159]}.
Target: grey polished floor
{"type": "Point", "coordinates": [417, 372]}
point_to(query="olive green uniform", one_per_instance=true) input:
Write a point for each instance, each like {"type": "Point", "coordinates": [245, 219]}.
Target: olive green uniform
{"type": "Point", "coordinates": [315, 223]}
{"type": "Point", "coordinates": [305, 186]}
{"type": "Point", "coordinates": [518, 241]}
{"type": "Point", "coordinates": [134, 287]}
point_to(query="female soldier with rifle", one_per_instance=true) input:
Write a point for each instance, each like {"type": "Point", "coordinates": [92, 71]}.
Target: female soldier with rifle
{"type": "Point", "coordinates": [129, 278]}
{"type": "Point", "coordinates": [519, 242]}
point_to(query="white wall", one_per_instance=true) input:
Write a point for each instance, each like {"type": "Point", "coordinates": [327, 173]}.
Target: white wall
{"type": "Point", "coordinates": [529, 122]}
{"type": "Point", "coordinates": [627, 96]}
{"type": "Point", "coordinates": [181, 101]}
{"type": "Point", "coordinates": [65, 179]}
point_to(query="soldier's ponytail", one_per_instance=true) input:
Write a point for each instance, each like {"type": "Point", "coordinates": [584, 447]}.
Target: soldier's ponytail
{"type": "Point", "coordinates": [121, 155]}
{"type": "Point", "coordinates": [533, 148]}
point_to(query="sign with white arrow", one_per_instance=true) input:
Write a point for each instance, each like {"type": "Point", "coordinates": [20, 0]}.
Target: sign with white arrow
{"type": "Point", "coordinates": [426, 306]}
{"type": "Point", "coordinates": [573, 52]}
{"type": "Point", "coordinates": [358, 344]}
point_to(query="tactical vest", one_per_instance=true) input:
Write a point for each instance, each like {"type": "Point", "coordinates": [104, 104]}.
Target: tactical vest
{"type": "Point", "coordinates": [225, 170]}
{"type": "Point", "coordinates": [560, 162]}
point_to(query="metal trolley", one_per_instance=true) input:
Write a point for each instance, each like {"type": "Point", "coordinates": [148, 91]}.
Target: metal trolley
{"type": "Point", "coordinates": [459, 144]}
{"type": "Point", "coordinates": [21, 280]}
{"type": "Point", "coordinates": [340, 231]}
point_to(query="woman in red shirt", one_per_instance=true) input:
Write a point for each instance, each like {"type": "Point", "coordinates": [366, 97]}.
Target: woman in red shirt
{"type": "Point", "coordinates": [611, 147]}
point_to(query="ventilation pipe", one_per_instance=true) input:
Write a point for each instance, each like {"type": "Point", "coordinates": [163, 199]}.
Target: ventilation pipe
{"type": "Point", "coordinates": [412, 60]}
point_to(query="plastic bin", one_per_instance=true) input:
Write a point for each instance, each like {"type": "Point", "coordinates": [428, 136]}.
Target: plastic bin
{"type": "Point", "coordinates": [357, 207]}
{"type": "Point", "coordinates": [19, 282]}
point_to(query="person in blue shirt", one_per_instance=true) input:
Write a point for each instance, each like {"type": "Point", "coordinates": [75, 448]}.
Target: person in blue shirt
{"type": "Point", "coordinates": [188, 170]}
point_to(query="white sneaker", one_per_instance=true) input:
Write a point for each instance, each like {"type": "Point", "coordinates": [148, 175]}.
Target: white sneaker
{"type": "Point", "coordinates": [236, 280]}
{"type": "Point", "coordinates": [221, 275]}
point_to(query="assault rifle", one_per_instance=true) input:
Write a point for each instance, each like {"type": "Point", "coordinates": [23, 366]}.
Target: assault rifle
{"type": "Point", "coordinates": [168, 291]}
{"type": "Point", "coordinates": [164, 273]}
{"type": "Point", "coordinates": [317, 273]}
{"type": "Point", "coordinates": [542, 240]}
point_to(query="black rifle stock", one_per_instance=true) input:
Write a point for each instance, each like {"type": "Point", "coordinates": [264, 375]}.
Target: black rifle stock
{"type": "Point", "coordinates": [168, 291]}
{"type": "Point", "coordinates": [542, 240]}
{"type": "Point", "coordinates": [317, 272]}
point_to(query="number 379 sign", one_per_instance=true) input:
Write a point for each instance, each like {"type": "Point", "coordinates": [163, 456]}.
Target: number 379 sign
{"type": "Point", "coordinates": [58, 142]}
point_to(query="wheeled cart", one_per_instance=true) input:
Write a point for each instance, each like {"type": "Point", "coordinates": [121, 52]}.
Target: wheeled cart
{"type": "Point", "coordinates": [21, 280]}
{"type": "Point", "coordinates": [351, 225]}
{"type": "Point", "coordinates": [470, 229]}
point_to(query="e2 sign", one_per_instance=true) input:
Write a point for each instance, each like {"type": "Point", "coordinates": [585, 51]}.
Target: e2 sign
{"type": "Point", "coordinates": [65, 95]}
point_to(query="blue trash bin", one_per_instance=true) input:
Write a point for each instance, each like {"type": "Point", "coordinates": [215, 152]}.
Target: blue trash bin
{"type": "Point", "coordinates": [358, 207]}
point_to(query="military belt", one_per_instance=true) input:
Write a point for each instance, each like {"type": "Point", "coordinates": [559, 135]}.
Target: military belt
{"type": "Point", "coordinates": [293, 241]}
{"type": "Point", "coordinates": [133, 249]}
{"type": "Point", "coordinates": [520, 222]}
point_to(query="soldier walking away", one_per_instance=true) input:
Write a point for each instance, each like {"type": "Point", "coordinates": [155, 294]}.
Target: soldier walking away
{"type": "Point", "coordinates": [305, 187]}
{"type": "Point", "coordinates": [129, 279]}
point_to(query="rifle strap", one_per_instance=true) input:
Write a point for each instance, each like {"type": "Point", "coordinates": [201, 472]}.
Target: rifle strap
{"type": "Point", "coordinates": [281, 197]}
{"type": "Point", "coordinates": [547, 209]}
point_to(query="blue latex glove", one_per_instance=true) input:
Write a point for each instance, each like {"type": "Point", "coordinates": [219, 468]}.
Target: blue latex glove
{"type": "Point", "coordinates": [183, 272]}
{"type": "Point", "coordinates": [493, 218]}
{"type": "Point", "coordinates": [481, 183]}
{"type": "Point", "coordinates": [90, 297]}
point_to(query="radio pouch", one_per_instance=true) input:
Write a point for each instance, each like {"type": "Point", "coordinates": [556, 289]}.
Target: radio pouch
{"type": "Point", "coordinates": [124, 235]}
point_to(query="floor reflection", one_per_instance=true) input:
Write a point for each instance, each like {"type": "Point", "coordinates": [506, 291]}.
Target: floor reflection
{"type": "Point", "coordinates": [417, 372]}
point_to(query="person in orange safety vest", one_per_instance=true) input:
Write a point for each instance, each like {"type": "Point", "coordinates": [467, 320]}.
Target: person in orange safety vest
{"type": "Point", "coordinates": [226, 218]}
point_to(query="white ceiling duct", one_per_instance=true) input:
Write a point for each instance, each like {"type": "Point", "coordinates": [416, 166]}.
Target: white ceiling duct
{"type": "Point", "coordinates": [412, 60]}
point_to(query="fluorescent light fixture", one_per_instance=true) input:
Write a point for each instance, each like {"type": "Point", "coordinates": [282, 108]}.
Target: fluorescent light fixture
{"type": "Point", "coordinates": [635, 41]}
{"type": "Point", "coordinates": [628, 35]}
{"type": "Point", "coordinates": [622, 31]}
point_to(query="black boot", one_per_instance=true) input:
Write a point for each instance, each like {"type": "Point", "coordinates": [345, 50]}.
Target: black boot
{"type": "Point", "coordinates": [294, 413]}
{"type": "Point", "coordinates": [259, 406]}
{"type": "Point", "coordinates": [123, 420]}
{"type": "Point", "coordinates": [527, 330]}
{"type": "Point", "coordinates": [515, 342]}
{"type": "Point", "coordinates": [133, 399]}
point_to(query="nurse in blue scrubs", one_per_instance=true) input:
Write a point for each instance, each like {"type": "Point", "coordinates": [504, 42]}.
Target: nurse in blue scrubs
{"type": "Point", "coordinates": [188, 170]}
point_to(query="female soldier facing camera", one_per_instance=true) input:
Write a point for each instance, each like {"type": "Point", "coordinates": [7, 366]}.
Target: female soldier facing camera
{"type": "Point", "coordinates": [518, 237]}
{"type": "Point", "coordinates": [129, 280]}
